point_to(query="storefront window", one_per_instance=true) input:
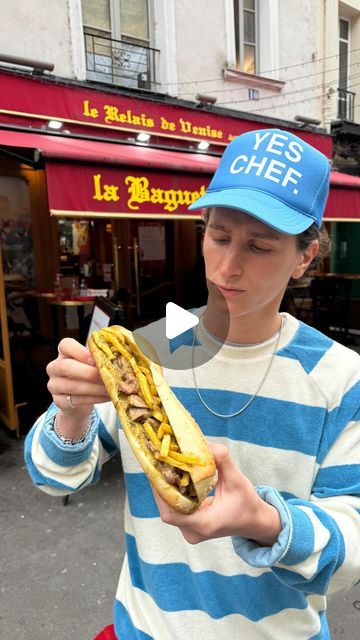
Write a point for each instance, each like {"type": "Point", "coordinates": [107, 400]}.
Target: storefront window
{"type": "Point", "coordinates": [17, 253]}
{"type": "Point", "coordinates": [85, 253]}
{"type": "Point", "coordinates": [15, 229]}
{"type": "Point", "coordinates": [75, 250]}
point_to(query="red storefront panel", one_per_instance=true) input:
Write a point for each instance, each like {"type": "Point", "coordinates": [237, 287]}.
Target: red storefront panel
{"type": "Point", "coordinates": [137, 192]}
{"type": "Point", "coordinates": [343, 204]}
{"type": "Point", "coordinates": [79, 190]}
{"type": "Point", "coordinates": [40, 99]}
{"type": "Point", "coordinates": [188, 169]}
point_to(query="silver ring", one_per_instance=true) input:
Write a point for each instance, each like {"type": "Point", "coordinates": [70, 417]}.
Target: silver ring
{"type": "Point", "coordinates": [68, 398]}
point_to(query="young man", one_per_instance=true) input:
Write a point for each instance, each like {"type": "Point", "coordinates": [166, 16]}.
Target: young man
{"type": "Point", "coordinates": [279, 403]}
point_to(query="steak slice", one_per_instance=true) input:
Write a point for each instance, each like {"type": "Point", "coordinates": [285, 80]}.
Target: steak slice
{"type": "Point", "coordinates": [138, 413]}
{"type": "Point", "coordinates": [136, 401]}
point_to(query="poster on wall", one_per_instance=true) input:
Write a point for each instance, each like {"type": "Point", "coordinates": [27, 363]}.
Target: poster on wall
{"type": "Point", "coordinates": [152, 246]}
{"type": "Point", "coordinates": [80, 238]}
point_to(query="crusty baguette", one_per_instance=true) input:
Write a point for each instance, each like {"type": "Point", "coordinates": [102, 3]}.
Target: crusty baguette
{"type": "Point", "coordinates": [137, 387]}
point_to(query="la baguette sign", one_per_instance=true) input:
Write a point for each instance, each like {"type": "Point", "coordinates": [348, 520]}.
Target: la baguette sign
{"type": "Point", "coordinates": [141, 192]}
{"type": "Point", "coordinates": [111, 192]}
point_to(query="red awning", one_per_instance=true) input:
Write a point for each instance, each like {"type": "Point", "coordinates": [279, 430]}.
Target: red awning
{"type": "Point", "coordinates": [80, 191]}
{"type": "Point", "coordinates": [343, 203]}
{"type": "Point", "coordinates": [94, 152]}
{"type": "Point", "coordinates": [338, 179]}
{"type": "Point", "coordinates": [95, 157]}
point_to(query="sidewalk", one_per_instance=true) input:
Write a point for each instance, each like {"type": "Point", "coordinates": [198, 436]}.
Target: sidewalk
{"type": "Point", "coordinates": [60, 564]}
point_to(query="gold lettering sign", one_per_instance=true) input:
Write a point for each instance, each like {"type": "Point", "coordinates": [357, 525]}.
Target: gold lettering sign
{"type": "Point", "coordinates": [107, 192]}
{"type": "Point", "coordinates": [140, 192]}
{"type": "Point", "coordinates": [112, 115]}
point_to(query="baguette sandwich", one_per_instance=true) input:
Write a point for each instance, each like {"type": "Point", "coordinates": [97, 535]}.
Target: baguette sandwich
{"type": "Point", "coordinates": [166, 440]}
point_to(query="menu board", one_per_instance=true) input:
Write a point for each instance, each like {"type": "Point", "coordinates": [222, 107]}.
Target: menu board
{"type": "Point", "coordinates": [152, 246]}
{"type": "Point", "coordinates": [99, 320]}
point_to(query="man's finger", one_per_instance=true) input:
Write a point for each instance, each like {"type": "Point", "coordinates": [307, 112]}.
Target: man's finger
{"type": "Point", "coordinates": [68, 386]}
{"type": "Point", "coordinates": [70, 348]}
{"type": "Point", "coordinates": [73, 369]}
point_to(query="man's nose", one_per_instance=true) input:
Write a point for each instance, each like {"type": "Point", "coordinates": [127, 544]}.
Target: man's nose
{"type": "Point", "coordinates": [231, 263]}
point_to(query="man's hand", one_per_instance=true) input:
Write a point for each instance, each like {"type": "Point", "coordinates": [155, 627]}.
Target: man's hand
{"type": "Point", "coordinates": [74, 376]}
{"type": "Point", "coordinates": [235, 509]}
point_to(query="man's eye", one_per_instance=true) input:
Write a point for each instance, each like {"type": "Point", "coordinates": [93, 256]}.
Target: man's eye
{"type": "Point", "coordinates": [221, 240]}
{"type": "Point", "coordinates": [257, 249]}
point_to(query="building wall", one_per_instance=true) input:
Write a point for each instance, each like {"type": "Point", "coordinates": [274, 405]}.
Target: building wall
{"type": "Point", "coordinates": [164, 39]}
{"type": "Point", "coordinates": [299, 44]}
{"type": "Point", "coordinates": [289, 46]}
{"type": "Point", "coordinates": [38, 30]}
{"type": "Point", "coordinates": [299, 60]}
{"type": "Point", "coordinates": [201, 47]}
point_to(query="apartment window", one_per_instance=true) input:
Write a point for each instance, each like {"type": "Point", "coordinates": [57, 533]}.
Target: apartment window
{"type": "Point", "coordinates": [96, 15]}
{"type": "Point", "coordinates": [245, 23]}
{"type": "Point", "coordinates": [345, 101]}
{"type": "Point", "coordinates": [134, 20]}
{"type": "Point", "coordinates": [120, 19]}
{"type": "Point", "coordinates": [117, 42]}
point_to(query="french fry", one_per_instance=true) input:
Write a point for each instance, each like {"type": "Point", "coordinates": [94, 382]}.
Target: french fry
{"type": "Point", "coordinates": [114, 341]}
{"type": "Point", "coordinates": [165, 446]}
{"type": "Point", "coordinates": [183, 457]}
{"type": "Point", "coordinates": [184, 482]}
{"type": "Point", "coordinates": [164, 428]}
{"type": "Point", "coordinates": [158, 415]}
{"type": "Point", "coordinates": [152, 435]}
{"type": "Point", "coordinates": [104, 347]}
{"type": "Point", "coordinates": [145, 390]}
{"type": "Point", "coordinates": [172, 462]}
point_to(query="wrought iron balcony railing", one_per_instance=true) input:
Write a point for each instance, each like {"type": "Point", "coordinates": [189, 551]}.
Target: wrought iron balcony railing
{"type": "Point", "coordinates": [345, 104]}
{"type": "Point", "coordinates": [120, 62]}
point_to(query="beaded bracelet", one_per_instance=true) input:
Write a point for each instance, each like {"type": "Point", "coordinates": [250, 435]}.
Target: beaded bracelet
{"type": "Point", "coordinates": [66, 439]}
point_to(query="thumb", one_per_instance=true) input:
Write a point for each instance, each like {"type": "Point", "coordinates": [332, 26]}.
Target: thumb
{"type": "Point", "coordinates": [228, 471]}
{"type": "Point", "coordinates": [219, 451]}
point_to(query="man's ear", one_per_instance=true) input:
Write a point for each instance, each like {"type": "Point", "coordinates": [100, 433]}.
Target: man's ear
{"type": "Point", "coordinates": [305, 259]}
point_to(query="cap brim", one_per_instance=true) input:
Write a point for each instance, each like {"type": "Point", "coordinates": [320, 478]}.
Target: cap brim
{"type": "Point", "coordinates": [264, 207]}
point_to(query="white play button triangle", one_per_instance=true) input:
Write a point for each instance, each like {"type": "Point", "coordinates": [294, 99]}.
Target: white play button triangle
{"type": "Point", "coordinates": [178, 320]}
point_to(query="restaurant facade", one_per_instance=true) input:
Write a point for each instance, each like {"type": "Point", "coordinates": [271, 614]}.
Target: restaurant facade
{"type": "Point", "coordinates": [93, 206]}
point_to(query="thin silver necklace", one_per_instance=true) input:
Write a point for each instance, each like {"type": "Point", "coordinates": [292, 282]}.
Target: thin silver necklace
{"type": "Point", "coordinates": [236, 413]}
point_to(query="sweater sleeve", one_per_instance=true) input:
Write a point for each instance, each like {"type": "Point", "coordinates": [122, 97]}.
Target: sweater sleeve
{"type": "Point", "coordinates": [318, 548]}
{"type": "Point", "coordinates": [60, 469]}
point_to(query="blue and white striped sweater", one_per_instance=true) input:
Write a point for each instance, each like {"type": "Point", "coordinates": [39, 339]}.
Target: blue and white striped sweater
{"type": "Point", "coordinates": [298, 441]}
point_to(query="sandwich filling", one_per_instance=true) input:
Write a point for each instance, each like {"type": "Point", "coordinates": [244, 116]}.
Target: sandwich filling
{"type": "Point", "coordinates": [147, 418]}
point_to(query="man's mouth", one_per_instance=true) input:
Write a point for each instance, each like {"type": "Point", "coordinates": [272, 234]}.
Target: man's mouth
{"type": "Point", "coordinates": [228, 291]}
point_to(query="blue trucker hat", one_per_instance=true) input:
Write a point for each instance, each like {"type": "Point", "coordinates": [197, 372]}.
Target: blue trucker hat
{"type": "Point", "coordinates": [274, 176]}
